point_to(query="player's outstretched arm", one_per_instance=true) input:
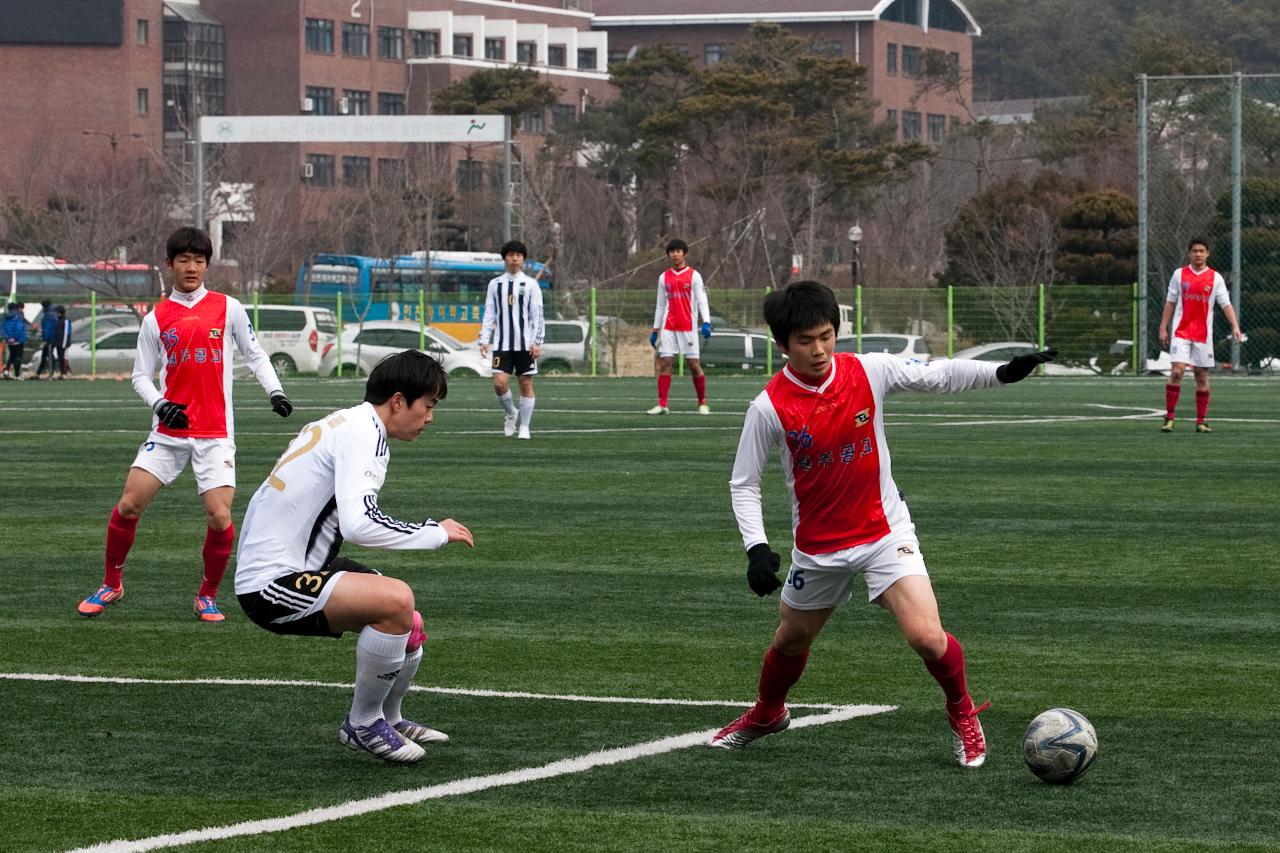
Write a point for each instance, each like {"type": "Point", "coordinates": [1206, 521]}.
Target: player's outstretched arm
{"type": "Point", "coordinates": [1020, 366]}
{"type": "Point", "coordinates": [762, 569]}
{"type": "Point", "coordinates": [458, 532]}
{"type": "Point", "coordinates": [280, 404]}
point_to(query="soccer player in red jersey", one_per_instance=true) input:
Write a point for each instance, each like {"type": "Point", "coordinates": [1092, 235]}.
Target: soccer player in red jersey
{"type": "Point", "coordinates": [825, 411]}
{"type": "Point", "coordinates": [680, 295]}
{"type": "Point", "coordinates": [188, 338]}
{"type": "Point", "coordinates": [1193, 291]}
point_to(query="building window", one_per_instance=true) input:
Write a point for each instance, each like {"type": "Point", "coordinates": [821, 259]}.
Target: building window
{"type": "Point", "coordinates": [144, 31]}
{"type": "Point", "coordinates": [891, 119]}
{"type": "Point", "coordinates": [495, 49]}
{"type": "Point", "coordinates": [911, 61]}
{"type": "Point", "coordinates": [355, 39]}
{"type": "Point", "coordinates": [390, 43]}
{"type": "Point", "coordinates": [534, 122]}
{"type": "Point", "coordinates": [318, 171]}
{"type": "Point", "coordinates": [556, 56]}
{"type": "Point", "coordinates": [319, 35]}
{"type": "Point", "coordinates": [470, 175]}
{"type": "Point", "coordinates": [321, 98]}
{"type": "Point", "coordinates": [390, 104]}
{"type": "Point", "coordinates": [527, 52]}
{"type": "Point", "coordinates": [357, 102]}
{"type": "Point", "coordinates": [425, 42]}
{"type": "Point", "coordinates": [937, 126]}
{"type": "Point", "coordinates": [910, 124]}
{"type": "Point", "coordinates": [833, 49]}
{"type": "Point", "coordinates": [562, 116]}
{"type": "Point", "coordinates": [144, 103]}
{"type": "Point", "coordinates": [462, 45]}
{"type": "Point", "coordinates": [586, 59]}
{"type": "Point", "coordinates": [902, 11]}
{"type": "Point", "coordinates": [954, 59]}
{"type": "Point", "coordinates": [355, 171]}
{"type": "Point", "coordinates": [617, 57]}
{"type": "Point", "coordinates": [390, 173]}
{"type": "Point", "coordinates": [891, 59]}
{"type": "Point", "coordinates": [713, 53]}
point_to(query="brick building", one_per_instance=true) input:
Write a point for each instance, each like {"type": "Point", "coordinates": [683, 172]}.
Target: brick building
{"type": "Point", "coordinates": [887, 36]}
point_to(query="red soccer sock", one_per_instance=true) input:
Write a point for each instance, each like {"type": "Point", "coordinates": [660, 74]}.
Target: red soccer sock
{"type": "Point", "coordinates": [700, 385]}
{"type": "Point", "coordinates": [120, 534]}
{"type": "Point", "coordinates": [217, 551]}
{"type": "Point", "coordinates": [777, 676]}
{"type": "Point", "coordinates": [664, 388]}
{"type": "Point", "coordinates": [948, 671]}
{"type": "Point", "coordinates": [1202, 405]}
{"type": "Point", "coordinates": [1171, 393]}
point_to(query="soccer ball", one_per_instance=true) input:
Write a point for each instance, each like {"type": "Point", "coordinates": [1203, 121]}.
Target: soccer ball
{"type": "Point", "coordinates": [1060, 745]}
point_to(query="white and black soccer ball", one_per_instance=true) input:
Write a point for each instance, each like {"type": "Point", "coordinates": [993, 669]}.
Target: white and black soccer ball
{"type": "Point", "coordinates": [1060, 745]}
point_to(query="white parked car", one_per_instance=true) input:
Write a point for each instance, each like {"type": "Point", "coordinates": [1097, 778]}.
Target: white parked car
{"type": "Point", "coordinates": [364, 345]}
{"type": "Point", "coordinates": [116, 347]}
{"type": "Point", "coordinates": [566, 348]}
{"type": "Point", "coordinates": [294, 336]}
{"type": "Point", "coordinates": [905, 347]}
{"type": "Point", "coordinates": [1002, 351]}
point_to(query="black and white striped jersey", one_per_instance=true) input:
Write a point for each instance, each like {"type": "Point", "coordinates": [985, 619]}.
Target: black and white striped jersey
{"type": "Point", "coordinates": [513, 320]}
{"type": "Point", "coordinates": [323, 491]}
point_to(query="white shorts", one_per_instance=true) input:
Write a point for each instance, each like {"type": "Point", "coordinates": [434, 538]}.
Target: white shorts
{"type": "Point", "coordinates": [677, 343]}
{"type": "Point", "coordinates": [1194, 353]}
{"type": "Point", "coordinates": [817, 581]}
{"type": "Point", "coordinates": [213, 460]}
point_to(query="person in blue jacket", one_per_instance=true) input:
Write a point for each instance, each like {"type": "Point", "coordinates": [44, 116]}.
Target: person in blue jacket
{"type": "Point", "coordinates": [48, 331]}
{"type": "Point", "coordinates": [15, 338]}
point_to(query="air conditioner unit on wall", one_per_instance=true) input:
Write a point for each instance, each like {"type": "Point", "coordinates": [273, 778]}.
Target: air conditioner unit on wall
{"type": "Point", "coordinates": [344, 106]}
{"type": "Point", "coordinates": [308, 170]}
{"type": "Point", "coordinates": [308, 104]}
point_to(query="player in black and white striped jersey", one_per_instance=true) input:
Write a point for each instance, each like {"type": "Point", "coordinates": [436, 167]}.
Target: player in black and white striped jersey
{"type": "Point", "coordinates": [323, 491]}
{"type": "Point", "coordinates": [513, 326]}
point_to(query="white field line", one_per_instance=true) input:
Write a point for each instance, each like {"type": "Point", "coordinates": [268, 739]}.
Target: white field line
{"type": "Point", "coordinates": [444, 691]}
{"type": "Point", "coordinates": [458, 787]}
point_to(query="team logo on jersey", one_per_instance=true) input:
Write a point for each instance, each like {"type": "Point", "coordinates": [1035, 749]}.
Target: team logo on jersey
{"type": "Point", "coordinates": [228, 463]}
{"type": "Point", "coordinates": [215, 333]}
{"type": "Point", "coordinates": [1208, 288]}
{"type": "Point", "coordinates": [906, 551]}
{"type": "Point", "coordinates": [862, 417]}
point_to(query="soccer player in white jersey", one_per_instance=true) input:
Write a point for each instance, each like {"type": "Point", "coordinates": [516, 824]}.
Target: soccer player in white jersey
{"type": "Point", "coordinates": [681, 296]}
{"type": "Point", "coordinates": [825, 411]}
{"type": "Point", "coordinates": [1193, 291]}
{"type": "Point", "coordinates": [513, 326]}
{"type": "Point", "coordinates": [188, 338]}
{"type": "Point", "coordinates": [322, 492]}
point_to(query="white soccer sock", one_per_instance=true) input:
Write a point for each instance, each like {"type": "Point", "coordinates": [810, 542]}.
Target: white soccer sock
{"type": "Point", "coordinates": [508, 405]}
{"type": "Point", "coordinates": [391, 705]}
{"type": "Point", "coordinates": [379, 660]}
{"type": "Point", "coordinates": [526, 411]}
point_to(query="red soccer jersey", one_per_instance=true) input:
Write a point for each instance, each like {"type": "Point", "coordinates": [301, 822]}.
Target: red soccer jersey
{"type": "Point", "coordinates": [679, 289]}
{"type": "Point", "coordinates": [1196, 304]}
{"type": "Point", "coordinates": [834, 458]}
{"type": "Point", "coordinates": [194, 340]}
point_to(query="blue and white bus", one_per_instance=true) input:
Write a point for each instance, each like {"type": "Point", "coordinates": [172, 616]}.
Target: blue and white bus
{"type": "Point", "coordinates": [449, 286]}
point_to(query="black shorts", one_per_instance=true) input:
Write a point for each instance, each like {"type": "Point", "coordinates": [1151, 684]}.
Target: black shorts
{"type": "Point", "coordinates": [288, 595]}
{"type": "Point", "coordinates": [519, 362]}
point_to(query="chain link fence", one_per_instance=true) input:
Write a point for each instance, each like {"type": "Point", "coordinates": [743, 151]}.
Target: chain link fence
{"type": "Point", "coordinates": [1209, 167]}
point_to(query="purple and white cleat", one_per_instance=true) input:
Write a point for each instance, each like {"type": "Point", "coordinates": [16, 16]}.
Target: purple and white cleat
{"type": "Point", "coordinates": [382, 740]}
{"type": "Point", "coordinates": [418, 733]}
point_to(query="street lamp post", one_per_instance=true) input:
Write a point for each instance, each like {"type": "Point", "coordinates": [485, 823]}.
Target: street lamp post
{"type": "Point", "coordinates": [114, 139]}
{"type": "Point", "coordinates": [855, 239]}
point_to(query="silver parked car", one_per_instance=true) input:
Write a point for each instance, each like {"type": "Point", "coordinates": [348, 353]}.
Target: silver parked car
{"type": "Point", "coordinates": [364, 345]}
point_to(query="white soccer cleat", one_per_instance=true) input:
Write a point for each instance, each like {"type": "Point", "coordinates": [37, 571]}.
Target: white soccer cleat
{"type": "Point", "coordinates": [658, 410]}
{"type": "Point", "coordinates": [419, 733]}
{"type": "Point", "coordinates": [966, 732]}
{"type": "Point", "coordinates": [704, 409]}
{"type": "Point", "coordinates": [509, 426]}
{"type": "Point", "coordinates": [382, 740]}
{"type": "Point", "coordinates": [742, 731]}
{"type": "Point", "coordinates": [524, 433]}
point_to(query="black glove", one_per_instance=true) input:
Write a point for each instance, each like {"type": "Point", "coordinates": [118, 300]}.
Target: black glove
{"type": "Point", "coordinates": [281, 406]}
{"type": "Point", "coordinates": [1020, 366]}
{"type": "Point", "coordinates": [762, 569]}
{"type": "Point", "coordinates": [173, 415]}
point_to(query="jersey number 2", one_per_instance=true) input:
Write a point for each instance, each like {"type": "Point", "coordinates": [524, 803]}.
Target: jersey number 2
{"type": "Point", "coordinates": [276, 482]}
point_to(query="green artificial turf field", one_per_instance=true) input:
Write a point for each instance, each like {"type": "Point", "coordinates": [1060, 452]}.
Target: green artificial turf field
{"type": "Point", "coordinates": [1083, 558]}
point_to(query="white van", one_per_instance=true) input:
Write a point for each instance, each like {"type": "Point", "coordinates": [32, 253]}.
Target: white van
{"type": "Point", "coordinates": [294, 336]}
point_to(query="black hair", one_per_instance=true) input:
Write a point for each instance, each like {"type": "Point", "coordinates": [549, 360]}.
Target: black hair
{"type": "Point", "coordinates": [61, 309]}
{"type": "Point", "coordinates": [1198, 241]}
{"type": "Point", "coordinates": [513, 246]}
{"type": "Point", "coordinates": [11, 306]}
{"type": "Point", "coordinates": [45, 303]}
{"type": "Point", "coordinates": [678, 244]}
{"type": "Point", "coordinates": [188, 239]}
{"type": "Point", "coordinates": [800, 306]}
{"type": "Point", "coordinates": [414, 374]}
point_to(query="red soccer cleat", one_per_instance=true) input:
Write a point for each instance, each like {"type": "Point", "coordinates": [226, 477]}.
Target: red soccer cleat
{"type": "Point", "coordinates": [966, 730]}
{"type": "Point", "coordinates": [745, 729]}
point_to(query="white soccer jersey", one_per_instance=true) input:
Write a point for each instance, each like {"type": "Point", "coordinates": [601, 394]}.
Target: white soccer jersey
{"type": "Point", "coordinates": [187, 338]}
{"type": "Point", "coordinates": [833, 448]}
{"type": "Point", "coordinates": [512, 320]}
{"type": "Point", "coordinates": [322, 492]}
